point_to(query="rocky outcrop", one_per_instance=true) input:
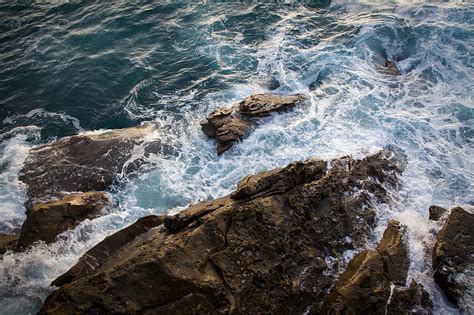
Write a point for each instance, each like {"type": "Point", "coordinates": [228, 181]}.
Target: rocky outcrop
{"type": "Point", "coordinates": [46, 221]}
{"type": "Point", "coordinates": [436, 212]}
{"type": "Point", "coordinates": [229, 125]}
{"type": "Point", "coordinates": [98, 254]}
{"type": "Point", "coordinates": [272, 246]}
{"type": "Point", "coordinates": [86, 162]}
{"type": "Point", "coordinates": [453, 254]}
{"type": "Point", "coordinates": [8, 241]}
{"type": "Point", "coordinates": [365, 286]}
{"type": "Point", "coordinates": [411, 300]}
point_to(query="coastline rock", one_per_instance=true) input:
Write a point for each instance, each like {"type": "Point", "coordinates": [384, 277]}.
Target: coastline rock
{"type": "Point", "coordinates": [436, 212]}
{"type": "Point", "coordinates": [264, 249]}
{"type": "Point", "coordinates": [411, 300]}
{"type": "Point", "coordinates": [453, 254]}
{"type": "Point", "coordinates": [81, 163]}
{"type": "Point", "coordinates": [365, 286]}
{"type": "Point", "coordinates": [110, 245]}
{"type": "Point", "coordinates": [46, 221]}
{"type": "Point", "coordinates": [229, 125]}
{"type": "Point", "coordinates": [8, 241]}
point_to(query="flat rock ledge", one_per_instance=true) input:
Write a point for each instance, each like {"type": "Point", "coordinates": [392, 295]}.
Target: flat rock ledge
{"type": "Point", "coordinates": [272, 246]}
{"type": "Point", "coordinates": [44, 222]}
{"type": "Point", "coordinates": [81, 163]}
{"type": "Point", "coordinates": [453, 256]}
{"type": "Point", "coordinates": [232, 124]}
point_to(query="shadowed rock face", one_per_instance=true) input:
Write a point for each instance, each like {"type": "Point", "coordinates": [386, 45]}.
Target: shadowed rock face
{"type": "Point", "coordinates": [453, 254]}
{"type": "Point", "coordinates": [79, 163]}
{"type": "Point", "coordinates": [262, 249]}
{"type": "Point", "coordinates": [411, 300]}
{"type": "Point", "coordinates": [436, 212]}
{"type": "Point", "coordinates": [46, 221]}
{"type": "Point", "coordinates": [365, 286]}
{"type": "Point", "coordinates": [229, 125]}
{"type": "Point", "coordinates": [8, 241]}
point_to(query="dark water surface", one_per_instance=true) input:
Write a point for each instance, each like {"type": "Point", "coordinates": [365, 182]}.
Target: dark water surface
{"type": "Point", "coordinates": [75, 67]}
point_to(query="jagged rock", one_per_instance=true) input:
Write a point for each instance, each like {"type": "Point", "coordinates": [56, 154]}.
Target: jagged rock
{"type": "Point", "coordinates": [229, 125]}
{"type": "Point", "coordinates": [365, 286]}
{"type": "Point", "coordinates": [110, 245]}
{"type": "Point", "coordinates": [453, 254]}
{"type": "Point", "coordinates": [8, 241]}
{"type": "Point", "coordinates": [81, 163]}
{"type": "Point", "coordinates": [409, 301]}
{"type": "Point", "coordinates": [436, 212]}
{"type": "Point", "coordinates": [46, 221]}
{"type": "Point", "coordinates": [262, 249]}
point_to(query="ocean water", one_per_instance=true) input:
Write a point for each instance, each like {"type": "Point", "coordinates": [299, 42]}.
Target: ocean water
{"type": "Point", "coordinates": [68, 68]}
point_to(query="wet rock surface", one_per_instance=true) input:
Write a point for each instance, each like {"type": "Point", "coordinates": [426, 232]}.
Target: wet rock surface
{"type": "Point", "coordinates": [365, 286]}
{"type": "Point", "coordinates": [411, 300]}
{"type": "Point", "coordinates": [229, 125]}
{"type": "Point", "coordinates": [262, 249]}
{"type": "Point", "coordinates": [453, 254]}
{"type": "Point", "coordinates": [436, 212]}
{"type": "Point", "coordinates": [8, 241]}
{"type": "Point", "coordinates": [46, 221]}
{"type": "Point", "coordinates": [110, 245]}
{"type": "Point", "coordinates": [81, 163]}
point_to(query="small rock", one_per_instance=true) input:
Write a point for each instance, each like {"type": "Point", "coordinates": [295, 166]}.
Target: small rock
{"type": "Point", "coordinates": [229, 125]}
{"type": "Point", "coordinates": [436, 212]}
{"type": "Point", "coordinates": [453, 254]}
{"type": "Point", "coordinates": [46, 221]}
{"type": "Point", "coordinates": [81, 163]}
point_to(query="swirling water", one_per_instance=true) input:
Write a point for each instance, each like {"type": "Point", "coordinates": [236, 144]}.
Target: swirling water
{"type": "Point", "coordinates": [71, 67]}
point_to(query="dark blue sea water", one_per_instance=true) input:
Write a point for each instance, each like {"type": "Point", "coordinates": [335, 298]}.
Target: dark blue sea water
{"type": "Point", "coordinates": [68, 68]}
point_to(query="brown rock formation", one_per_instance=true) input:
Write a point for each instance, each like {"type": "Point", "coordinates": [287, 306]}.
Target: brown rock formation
{"type": "Point", "coordinates": [263, 249]}
{"type": "Point", "coordinates": [409, 301]}
{"type": "Point", "coordinates": [86, 162]}
{"type": "Point", "coordinates": [8, 241]}
{"type": "Point", "coordinates": [453, 254]}
{"type": "Point", "coordinates": [365, 286]}
{"type": "Point", "coordinates": [229, 125]}
{"type": "Point", "coordinates": [98, 254]}
{"type": "Point", "coordinates": [46, 221]}
{"type": "Point", "coordinates": [436, 212]}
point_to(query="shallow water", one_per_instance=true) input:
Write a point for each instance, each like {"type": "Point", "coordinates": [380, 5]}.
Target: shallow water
{"type": "Point", "coordinates": [68, 68]}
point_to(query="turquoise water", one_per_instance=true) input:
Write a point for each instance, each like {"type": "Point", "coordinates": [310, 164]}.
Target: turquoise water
{"type": "Point", "coordinates": [71, 68]}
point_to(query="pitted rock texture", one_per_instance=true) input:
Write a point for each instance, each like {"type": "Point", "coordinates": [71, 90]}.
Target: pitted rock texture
{"type": "Point", "coordinates": [46, 221]}
{"type": "Point", "coordinates": [365, 286]}
{"type": "Point", "coordinates": [81, 163]}
{"type": "Point", "coordinates": [453, 255]}
{"type": "Point", "coordinates": [262, 249]}
{"type": "Point", "coordinates": [229, 125]}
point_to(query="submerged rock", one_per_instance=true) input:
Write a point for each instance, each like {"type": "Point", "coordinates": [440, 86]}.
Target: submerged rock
{"type": "Point", "coordinates": [453, 254]}
{"type": "Point", "coordinates": [46, 221]}
{"type": "Point", "coordinates": [365, 286]}
{"type": "Point", "coordinates": [411, 300]}
{"type": "Point", "coordinates": [229, 125]}
{"type": "Point", "coordinates": [80, 163]}
{"type": "Point", "coordinates": [272, 246]}
{"type": "Point", "coordinates": [436, 212]}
